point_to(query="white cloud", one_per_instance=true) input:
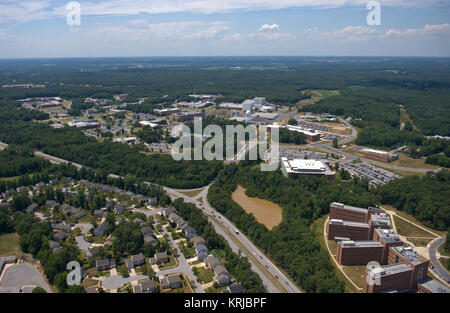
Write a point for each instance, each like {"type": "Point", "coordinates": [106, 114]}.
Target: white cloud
{"type": "Point", "coordinates": [367, 33]}
{"type": "Point", "coordinates": [267, 27]}
{"type": "Point", "coordinates": [19, 10]}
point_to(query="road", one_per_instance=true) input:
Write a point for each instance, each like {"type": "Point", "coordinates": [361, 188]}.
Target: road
{"type": "Point", "coordinates": [274, 280]}
{"type": "Point", "coordinates": [438, 268]}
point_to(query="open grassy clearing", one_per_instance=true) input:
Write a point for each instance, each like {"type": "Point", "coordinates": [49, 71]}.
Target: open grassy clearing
{"type": "Point", "coordinates": [407, 229]}
{"type": "Point", "coordinates": [9, 244]}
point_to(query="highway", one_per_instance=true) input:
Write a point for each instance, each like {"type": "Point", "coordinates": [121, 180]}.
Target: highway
{"type": "Point", "coordinates": [438, 268]}
{"type": "Point", "coordinates": [274, 280]}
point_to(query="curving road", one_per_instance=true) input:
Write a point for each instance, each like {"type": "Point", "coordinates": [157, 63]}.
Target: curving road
{"type": "Point", "coordinates": [438, 268]}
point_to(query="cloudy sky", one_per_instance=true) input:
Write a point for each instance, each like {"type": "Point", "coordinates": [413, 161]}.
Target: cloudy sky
{"type": "Point", "coordinates": [34, 28]}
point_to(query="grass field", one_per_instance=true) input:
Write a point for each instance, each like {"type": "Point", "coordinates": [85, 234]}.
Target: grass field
{"type": "Point", "coordinates": [356, 274]}
{"type": "Point", "coordinates": [317, 95]}
{"type": "Point", "coordinates": [406, 161]}
{"type": "Point", "coordinates": [409, 230]}
{"type": "Point", "coordinates": [190, 193]}
{"type": "Point", "coordinates": [9, 244]}
{"type": "Point", "coordinates": [419, 242]}
{"type": "Point", "coordinates": [204, 275]}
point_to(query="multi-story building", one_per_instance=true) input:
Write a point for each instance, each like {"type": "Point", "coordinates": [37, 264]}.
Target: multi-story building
{"type": "Point", "coordinates": [388, 238]}
{"type": "Point", "coordinates": [347, 229]}
{"type": "Point", "coordinates": [379, 221]}
{"type": "Point", "coordinates": [351, 252]}
{"type": "Point", "coordinates": [351, 213]}
{"type": "Point", "coordinates": [396, 277]}
{"type": "Point", "coordinates": [406, 254]}
{"type": "Point", "coordinates": [297, 167]}
{"type": "Point", "coordinates": [168, 111]}
{"type": "Point", "coordinates": [377, 155]}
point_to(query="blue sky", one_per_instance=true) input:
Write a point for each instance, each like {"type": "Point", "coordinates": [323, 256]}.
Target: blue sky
{"type": "Point", "coordinates": [33, 28]}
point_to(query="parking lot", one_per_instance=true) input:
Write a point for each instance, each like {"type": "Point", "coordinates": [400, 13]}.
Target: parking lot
{"type": "Point", "coordinates": [22, 274]}
{"type": "Point", "coordinates": [376, 175]}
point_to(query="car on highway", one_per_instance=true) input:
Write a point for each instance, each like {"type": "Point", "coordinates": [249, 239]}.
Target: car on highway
{"type": "Point", "coordinates": [236, 231]}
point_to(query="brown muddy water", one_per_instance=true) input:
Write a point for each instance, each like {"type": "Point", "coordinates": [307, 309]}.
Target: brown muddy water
{"type": "Point", "coordinates": [265, 212]}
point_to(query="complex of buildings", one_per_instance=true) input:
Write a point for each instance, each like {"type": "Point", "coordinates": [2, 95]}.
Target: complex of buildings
{"type": "Point", "coordinates": [364, 236]}
{"type": "Point", "coordinates": [377, 155]}
{"type": "Point", "coordinates": [297, 167]}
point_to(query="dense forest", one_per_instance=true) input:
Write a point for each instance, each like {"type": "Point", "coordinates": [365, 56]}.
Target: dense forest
{"type": "Point", "coordinates": [114, 158]}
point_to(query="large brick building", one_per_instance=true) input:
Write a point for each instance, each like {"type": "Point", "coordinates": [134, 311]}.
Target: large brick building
{"type": "Point", "coordinates": [406, 254]}
{"type": "Point", "coordinates": [396, 277]}
{"type": "Point", "coordinates": [377, 155]}
{"type": "Point", "coordinates": [388, 238]}
{"type": "Point", "coordinates": [346, 229]}
{"type": "Point", "coordinates": [350, 213]}
{"type": "Point", "coordinates": [351, 252]}
{"type": "Point", "coordinates": [378, 221]}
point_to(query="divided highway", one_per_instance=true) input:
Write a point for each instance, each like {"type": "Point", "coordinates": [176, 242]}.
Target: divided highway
{"type": "Point", "coordinates": [274, 280]}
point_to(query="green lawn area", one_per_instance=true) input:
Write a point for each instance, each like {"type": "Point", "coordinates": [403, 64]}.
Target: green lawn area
{"type": "Point", "coordinates": [407, 229]}
{"type": "Point", "coordinates": [203, 274]}
{"type": "Point", "coordinates": [419, 242]}
{"type": "Point", "coordinates": [356, 274]}
{"type": "Point", "coordinates": [190, 193]}
{"type": "Point", "coordinates": [407, 161]}
{"type": "Point", "coordinates": [95, 272]}
{"type": "Point", "coordinates": [445, 262]}
{"type": "Point", "coordinates": [188, 253]}
{"type": "Point", "coordinates": [9, 244]}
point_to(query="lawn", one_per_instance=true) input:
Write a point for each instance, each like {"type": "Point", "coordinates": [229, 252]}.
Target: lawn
{"type": "Point", "coordinates": [420, 242]}
{"type": "Point", "coordinates": [191, 194]}
{"type": "Point", "coordinates": [407, 161]}
{"type": "Point", "coordinates": [356, 274]}
{"type": "Point", "coordinates": [9, 244]}
{"type": "Point", "coordinates": [203, 274]}
{"type": "Point", "coordinates": [188, 253]}
{"type": "Point", "coordinates": [407, 229]}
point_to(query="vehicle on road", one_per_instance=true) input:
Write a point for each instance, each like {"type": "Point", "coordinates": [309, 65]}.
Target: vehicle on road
{"type": "Point", "coordinates": [236, 231]}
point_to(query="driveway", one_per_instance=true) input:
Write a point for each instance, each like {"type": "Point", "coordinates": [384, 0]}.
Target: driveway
{"type": "Point", "coordinates": [82, 243]}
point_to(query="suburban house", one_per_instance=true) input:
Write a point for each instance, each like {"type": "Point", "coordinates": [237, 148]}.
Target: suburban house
{"type": "Point", "coordinates": [147, 286]}
{"type": "Point", "coordinates": [197, 240]}
{"type": "Point", "coordinates": [138, 259]}
{"type": "Point", "coordinates": [32, 207]}
{"type": "Point", "coordinates": [202, 251]}
{"type": "Point", "coordinates": [211, 262]}
{"type": "Point", "coordinates": [105, 264]}
{"type": "Point", "coordinates": [170, 282]}
{"type": "Point", "coordinates": [100, 230]}
{"type": "Point", "coordinates": [167, 211]}
{"type": "Point", "coordinates": [118, 209]}
{"type": "Point", "coordinates": [159, 258]}
{"type": "Point", "coordinates": [91, 252]}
